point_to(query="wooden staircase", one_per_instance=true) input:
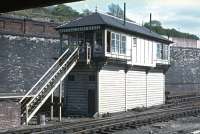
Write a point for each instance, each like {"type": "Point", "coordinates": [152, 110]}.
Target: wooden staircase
{"type": "Point", "coordinates": [47, 84]}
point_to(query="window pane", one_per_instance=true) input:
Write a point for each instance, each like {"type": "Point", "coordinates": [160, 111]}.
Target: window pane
{"type": "Point", "coordinates": [159, 51]}
{"type": "Point", "coordinates": [123, 45]}
{"type": "Point", "coordinates": [117, 42]}
{"type": "Point", "coordinates": [165, 52]}
{"type": "Point", "coordinates": [108, 41]}
{"type": "Point", "coordinates": [113, 45]}
{"type": "Point", "coordinates": [99, 38]}
{"type": "Point", "coordinates": [80, 38]}
{"type": "Point", "coordinates": [123, 48]}
{"type": "Point", "coordinates": [117, 36]}
{"type": "Point", "coordinates": [123, 38]}
{"type": "Point", "coordinates": [113, 42]}
{"type": "Point", "coordinates": [113, 36]}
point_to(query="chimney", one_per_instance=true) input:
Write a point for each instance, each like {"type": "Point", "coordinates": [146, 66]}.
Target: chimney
{"type": "Point", "coordinates": [124, 13]}
{"type": "Point", "coordinates": [150, 22]}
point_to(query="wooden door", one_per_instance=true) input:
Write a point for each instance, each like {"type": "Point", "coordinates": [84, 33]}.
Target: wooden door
{"type": "Point", "coordinates": [91, 102]}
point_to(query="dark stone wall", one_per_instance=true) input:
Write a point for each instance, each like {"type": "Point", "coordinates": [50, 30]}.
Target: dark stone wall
{"type": "Point", "coordinates": [9, 114]}
{"type": "Point", "coordinates": [23, 60]}
{"type": "Point", "coordinates": [184, 74]}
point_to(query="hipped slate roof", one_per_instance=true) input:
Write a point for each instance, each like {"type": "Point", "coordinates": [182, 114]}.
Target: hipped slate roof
{"type": "Point", "coordinates": [110, 21]}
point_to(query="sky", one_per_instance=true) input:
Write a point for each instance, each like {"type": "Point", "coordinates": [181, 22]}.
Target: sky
{"type": "Point", "coordinates": [183, 15]}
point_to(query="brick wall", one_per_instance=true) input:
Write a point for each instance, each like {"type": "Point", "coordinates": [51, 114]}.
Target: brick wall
{"type": "Point", "coordinates": [28, 27]}
{"type": "Point", "coordinates": [9, 114]}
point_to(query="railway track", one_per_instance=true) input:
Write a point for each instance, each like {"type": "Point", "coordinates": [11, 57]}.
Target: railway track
{"type": "Point", "coordinates": [181, 98]}
{"type": "Point", "coordinates": [133, 122]}
{"type": "Point", "coordinates": [188, 107]}
{"type": "Point", "coordinates": [182, 101]}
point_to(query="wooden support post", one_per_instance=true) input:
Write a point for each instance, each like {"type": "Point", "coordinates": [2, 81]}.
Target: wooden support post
{"type": "Point", "coordinates": [52, 106]}
{"type": "Point", "coordinates": [60, 101]}
{"type": "Point", "coordinates": [26, 114]}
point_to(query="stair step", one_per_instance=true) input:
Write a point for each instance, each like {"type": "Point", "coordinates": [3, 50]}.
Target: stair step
{"type": "Point", "coordinates": [48, 87]}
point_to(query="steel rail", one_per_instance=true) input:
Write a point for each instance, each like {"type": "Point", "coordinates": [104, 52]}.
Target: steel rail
{"type": "Point", "coordinates": [80, 126]}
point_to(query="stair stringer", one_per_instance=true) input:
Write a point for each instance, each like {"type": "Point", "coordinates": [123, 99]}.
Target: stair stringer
{"type": "Point", "coordinates": [52, 90]}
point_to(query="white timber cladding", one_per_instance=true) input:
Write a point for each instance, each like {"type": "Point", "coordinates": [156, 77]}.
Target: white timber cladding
{"type": "Point", "coordinates": [135, 89]}
{"type": "Point", "coordinates": [120, 91]}
{"type": "Point", "coordinates": [143, 52]}
{"type": "Point", "coordinates": [111, 89]}
{"type": "Point", "coordinates": [154, 52]}
{"type": "Point", "coordinates": [155, 88]}
{"type": "Point", "coordinates": [133, 50]}
{"type": "Point", "coordinates": [139, 51]}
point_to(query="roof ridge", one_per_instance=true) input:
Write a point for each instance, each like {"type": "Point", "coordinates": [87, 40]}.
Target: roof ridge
{"type": "Point", "coordinates": [100, 17]}
{"type": "Point", "coordinates": [132, 22]}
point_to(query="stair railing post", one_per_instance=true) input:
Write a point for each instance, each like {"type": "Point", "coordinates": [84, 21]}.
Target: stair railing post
{"type": "Point", "coordinates": [60, 101]}
{"type": "Point", "coordinates": [52, 106]}
{"type": "Point", "coordinates": [78, 51]}
{"type": "Point", "coordinates": [26, 114]}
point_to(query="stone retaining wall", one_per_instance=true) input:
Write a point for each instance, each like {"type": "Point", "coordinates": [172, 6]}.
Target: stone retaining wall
{"type": "Point", "coordinates": [184, 74]}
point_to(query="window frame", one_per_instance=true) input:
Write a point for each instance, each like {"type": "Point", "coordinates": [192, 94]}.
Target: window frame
{"type": "Point", "coordinates": [108, 41]}
{"type": "Point", "coordinates": [116, 43]}
{"type": "Point", "coordinates": [162, 51]}
{"type": "Point", "coordinates": [99, 38]}
{"type": "Point", "coordinates": [121, 46]}
{"type": "Point", "coordinates": [113, 46]}
{"type": "Point", "coordinates": [165, 52]}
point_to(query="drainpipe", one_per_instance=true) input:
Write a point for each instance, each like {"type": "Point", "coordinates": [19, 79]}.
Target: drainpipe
{"type": "Point", "coordinates": [126, 70]}
{"type": "Point", "coordinates": [147, 71]}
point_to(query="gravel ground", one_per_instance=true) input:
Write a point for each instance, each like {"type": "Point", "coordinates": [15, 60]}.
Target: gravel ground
{"type": "Point", "coordinates": [185, 125]}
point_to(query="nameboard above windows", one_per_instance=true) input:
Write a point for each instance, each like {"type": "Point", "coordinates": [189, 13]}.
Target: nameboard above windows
{"type": "Point", "coordinates": [78, 29]}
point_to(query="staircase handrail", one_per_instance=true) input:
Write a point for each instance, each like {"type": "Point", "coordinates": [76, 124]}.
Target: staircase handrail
{"type": "Point", "coordinates": [52, 77]}
{"type": "Point", "coordinates": [43, 76]}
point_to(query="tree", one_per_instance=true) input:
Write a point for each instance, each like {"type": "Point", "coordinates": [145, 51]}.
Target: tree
{"type": "Point", "coordinates": [63, 10]}
{"type": "Point", "coordinates": [116, 10]}
{"type": "Point", "coordinates": [156, 26]}
{"type": "Point", "coordinates": [154, 23]}
{"type": "Point", "coordinates": [53, 13]}
{"type": "Point", "coordinates": [86, 12]}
